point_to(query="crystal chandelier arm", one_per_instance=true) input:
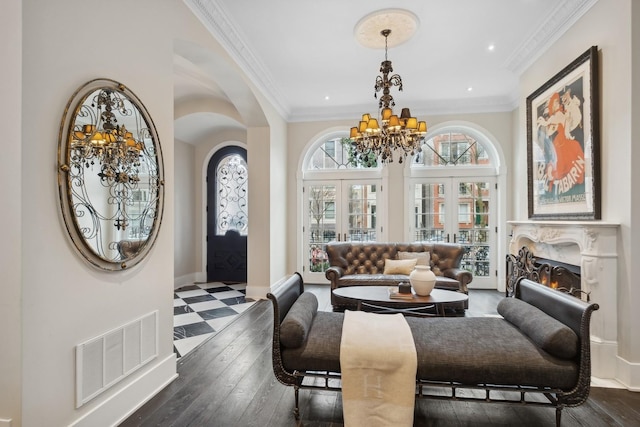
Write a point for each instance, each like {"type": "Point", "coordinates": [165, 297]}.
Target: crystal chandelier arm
{"type": "Point", "coordinates": [396, 80]}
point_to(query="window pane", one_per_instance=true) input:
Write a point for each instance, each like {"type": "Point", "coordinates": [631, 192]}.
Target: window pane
{"type": "Point", "coordinates": [231, 188]}
{"type": "Point", "coordinates": [451, 149]}
{"type": "Point", "coordinates": [336, 153]}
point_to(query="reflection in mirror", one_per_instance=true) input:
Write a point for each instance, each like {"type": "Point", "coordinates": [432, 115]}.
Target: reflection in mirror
{"type": "Point", "coordinates": [111, 175]}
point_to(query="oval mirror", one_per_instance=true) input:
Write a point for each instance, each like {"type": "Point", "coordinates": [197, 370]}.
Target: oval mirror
{"type": "Point", "coordinates": [110, 179]}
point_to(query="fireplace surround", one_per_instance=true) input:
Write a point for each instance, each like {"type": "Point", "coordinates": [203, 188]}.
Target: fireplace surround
{"type": "Point", "coordinates": [553, 274]}
{"type": "Point", "coordinates": [591, 245]}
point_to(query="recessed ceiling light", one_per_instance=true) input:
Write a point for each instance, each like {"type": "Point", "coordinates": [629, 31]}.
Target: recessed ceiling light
{"type": "Point", "coordinates": [491, 47]}
{"type": "Point", "coordinates": [326, 98]}
{"type": "Point", "coordinates": [469, 89]}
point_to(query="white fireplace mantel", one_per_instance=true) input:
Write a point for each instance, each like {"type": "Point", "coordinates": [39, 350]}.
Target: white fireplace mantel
{"type": "Point", "coordinates": [593, 246]}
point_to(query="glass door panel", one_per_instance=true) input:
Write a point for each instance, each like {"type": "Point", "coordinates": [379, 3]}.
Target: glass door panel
{"type": "Point", "coordinates": [321, 224]}
{"type": "Point", "coordinates": [458, 210]}
{"type": "Point", "coordinates": [342, 210]}
{"type": "Point", "coordinates": [474, 218]}
{"type": "Point", "coordinates": [361, 215]}
{"type": "Point", "coordinates": [429, 219]}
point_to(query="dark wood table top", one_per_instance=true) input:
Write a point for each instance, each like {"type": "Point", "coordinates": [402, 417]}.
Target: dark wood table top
{"type": "Point", "coordinates": [380, 294]}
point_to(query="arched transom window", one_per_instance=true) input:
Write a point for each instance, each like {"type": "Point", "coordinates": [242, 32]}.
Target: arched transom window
{"type": "Point", "coordinates": [452, 148]}
{"type": "Point", "coordinates": [337, 153]}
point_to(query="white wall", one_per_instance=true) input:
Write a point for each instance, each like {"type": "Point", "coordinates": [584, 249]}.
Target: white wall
{"type": "Point", "coordinates": [185, 264]}
{"type": "Point", "coordinates": [265, 139]}
{"type": "Point", "coordinates": [11, 214]}
{"type": "Point", "coordinates": [608, 25]}
{"type": "Point", "coordinates": [629, 329]}
{"type": "Point", "coordinates": [66, 301]}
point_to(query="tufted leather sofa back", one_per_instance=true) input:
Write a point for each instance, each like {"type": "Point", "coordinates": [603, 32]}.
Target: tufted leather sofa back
{"type": "Point", "coordinates": [368, 257]}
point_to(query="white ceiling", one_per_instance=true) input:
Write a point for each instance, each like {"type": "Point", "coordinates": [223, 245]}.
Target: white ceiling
{"type": "Point", "coordinates": [301, 52]}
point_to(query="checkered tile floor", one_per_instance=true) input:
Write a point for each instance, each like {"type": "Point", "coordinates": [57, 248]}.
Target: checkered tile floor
{"type": "Point", "coordinates": [202, 310]}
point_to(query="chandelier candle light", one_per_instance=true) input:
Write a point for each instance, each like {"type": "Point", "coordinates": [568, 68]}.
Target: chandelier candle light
{"type": "Point", "coordinates": [113, 146]}
{"type": "Point", "coordinates": [404, 133]}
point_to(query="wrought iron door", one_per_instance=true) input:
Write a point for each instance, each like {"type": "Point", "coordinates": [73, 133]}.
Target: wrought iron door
{"type": "Point", "coordinates": [227, 216]}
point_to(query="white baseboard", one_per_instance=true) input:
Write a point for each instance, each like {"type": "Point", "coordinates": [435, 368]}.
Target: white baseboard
{"type": "Point", "coordinates": [629, 374]}
{"type": "Point", "coordinates": [187, 279]}
{"type": "Point", "coordinates": [603, 358]}
{"type": "Point", "coordinates": [115, 409]}
{"type": "Point", "coordinates": [260, 292]}
{"type": "Point", "coordinates": [5, 422]}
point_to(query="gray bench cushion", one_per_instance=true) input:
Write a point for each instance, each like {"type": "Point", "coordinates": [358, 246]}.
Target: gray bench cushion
{"type": "Point", "coordinates": [469, 350]}
{"type": "Point", "coordinates": [475, 350]}
{"type": "Point", "coordinates": [550, 334]}
{"type": "Point", "coordinates": [321, 351]}
{"type": "Point", "coordinates": [297, 323]}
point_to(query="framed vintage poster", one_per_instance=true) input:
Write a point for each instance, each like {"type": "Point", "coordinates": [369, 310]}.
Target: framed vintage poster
{"type": "Point", "coordinates": [563, 143]}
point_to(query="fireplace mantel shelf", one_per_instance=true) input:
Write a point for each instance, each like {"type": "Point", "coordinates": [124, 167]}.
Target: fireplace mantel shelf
{"type": "Point", "coordinates": [593, 238]}
{"type": "Point", "coordinates": [594, 224]}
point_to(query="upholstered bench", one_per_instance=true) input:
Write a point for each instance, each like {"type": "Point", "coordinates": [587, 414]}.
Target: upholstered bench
{"type": "Point", "coordinates": [539, 345]}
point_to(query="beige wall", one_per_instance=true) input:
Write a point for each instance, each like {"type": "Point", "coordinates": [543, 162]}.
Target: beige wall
{"type": "Point", "coordinates": [185, 264]}
{"type": "Point", "coordinates": [11, 194]}
{"type": "Point", "coordinates": [65, 300]}
{"type": "Point", "coordinates": [632, 297]}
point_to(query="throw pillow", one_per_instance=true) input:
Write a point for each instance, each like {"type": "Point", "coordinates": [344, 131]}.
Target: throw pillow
{"type": "Point", "coordinates": [399, 266]}
{"type": "Point", "coordinates": [297, 323]}
{"type": "Point", "coordinates": [423, 258]}
{"type": "Point", "coordinates": [549, 334]}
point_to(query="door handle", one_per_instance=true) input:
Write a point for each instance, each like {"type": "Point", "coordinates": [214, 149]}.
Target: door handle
{"type": "Point", "coordinates": [454, 237]}
{"type": "Point", "coordinates": [345, 237]}
{"type": "Point", "coordinates": [448, 238]}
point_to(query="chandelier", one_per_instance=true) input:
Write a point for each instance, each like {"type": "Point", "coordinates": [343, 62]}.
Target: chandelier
{"type": "Point", "coordinates": [111, 145]}
{"type": "Point", "coordinates": [404, 133]}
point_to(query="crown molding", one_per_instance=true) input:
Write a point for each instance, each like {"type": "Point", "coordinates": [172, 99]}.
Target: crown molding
{"type": "Point", "coordinates": [218, 22]}
{"type": "Point", "coordinates": [498, 104]}
{"type": "Point", "coordinates": [214, 17]}
{"type": "Point", "coordinates": [559, 20]}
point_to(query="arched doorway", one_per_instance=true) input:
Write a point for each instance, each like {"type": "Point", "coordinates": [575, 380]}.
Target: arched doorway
{"type": "Point", "coordinates": [227, 215]}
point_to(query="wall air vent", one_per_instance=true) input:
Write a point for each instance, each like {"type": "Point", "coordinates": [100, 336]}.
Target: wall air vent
{"type": "Point", "coordinates": [103, 361]}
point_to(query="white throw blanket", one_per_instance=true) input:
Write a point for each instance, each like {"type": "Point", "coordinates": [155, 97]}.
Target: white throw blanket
{"type": "Point", "coordinates": [378, 362]}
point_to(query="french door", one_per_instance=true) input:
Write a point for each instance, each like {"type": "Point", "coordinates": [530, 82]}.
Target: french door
{"type": "Point", "coordinates": [342, 210]}
{"type": "Point", "coordinates": [459, 210]}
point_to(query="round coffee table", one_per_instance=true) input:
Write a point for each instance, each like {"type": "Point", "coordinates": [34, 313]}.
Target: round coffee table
{"type": "Point", "coordinates": [378, 298]}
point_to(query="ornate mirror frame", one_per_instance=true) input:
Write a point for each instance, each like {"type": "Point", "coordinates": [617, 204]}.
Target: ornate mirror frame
{"type": "Point", "coordinates": [110, 175]}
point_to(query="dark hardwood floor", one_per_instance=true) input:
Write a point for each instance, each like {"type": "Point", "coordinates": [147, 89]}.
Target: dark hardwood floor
{"type": "Point", "coordinates": [229, 381]}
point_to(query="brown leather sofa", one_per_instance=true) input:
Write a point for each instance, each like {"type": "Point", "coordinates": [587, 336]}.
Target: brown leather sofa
{"type": "Point", "coordinates": [362, 263]}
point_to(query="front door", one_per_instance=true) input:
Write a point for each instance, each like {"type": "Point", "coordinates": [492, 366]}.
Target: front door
{"type": "Point", "coordinates": [459, 210]}
{"type": "Point", "coordinates": [342, 210]}
{"type": "Point", "coordinates": [227, 216]}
